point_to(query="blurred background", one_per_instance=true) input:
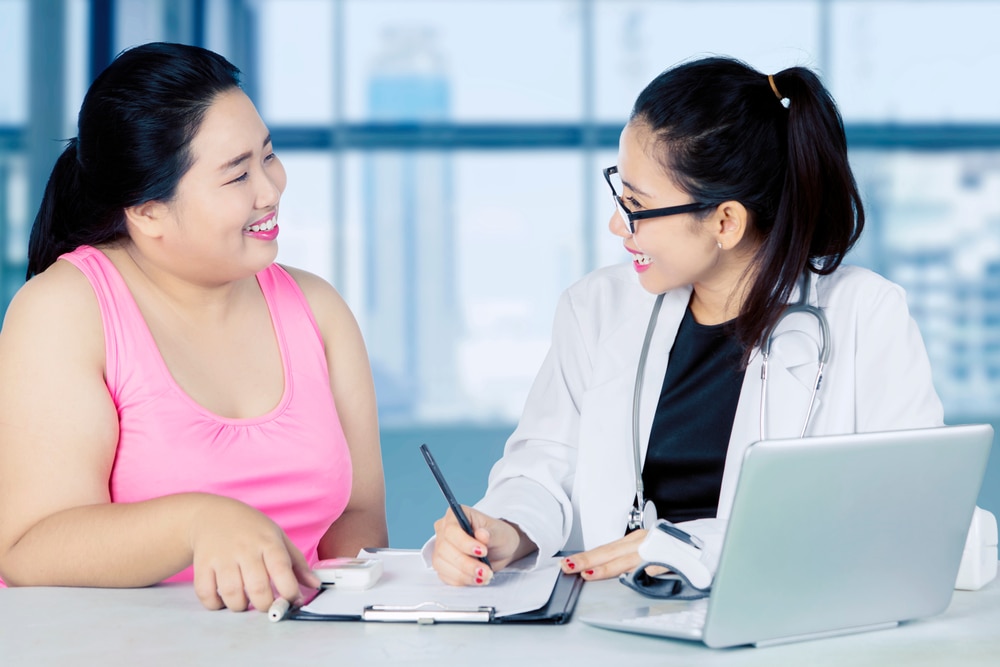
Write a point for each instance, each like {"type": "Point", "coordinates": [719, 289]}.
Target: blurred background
{"type": "Point", "coordinates": [444, 161]}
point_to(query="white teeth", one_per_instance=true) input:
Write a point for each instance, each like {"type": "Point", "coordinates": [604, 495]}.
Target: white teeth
{"type": "Point", "coordinates": [643, 259]}
{"type": "Point", "coordinates": [266, 227]}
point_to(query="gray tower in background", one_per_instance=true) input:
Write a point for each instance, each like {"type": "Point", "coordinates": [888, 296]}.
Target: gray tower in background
{"type": "Point", "coordinates": [412, 315]}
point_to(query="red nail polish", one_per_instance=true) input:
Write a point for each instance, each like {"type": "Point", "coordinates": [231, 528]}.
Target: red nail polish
{"type": "Point", "coordinates": [589, 572]}
{"type": "Point", "coordinates": [478, 551]}
{"type": "Point", "coordinates": [479, 572]}
{"type": "Point", "coordinates": [571, 565]}
{"type": "Point", "coordinates": [479, 580]}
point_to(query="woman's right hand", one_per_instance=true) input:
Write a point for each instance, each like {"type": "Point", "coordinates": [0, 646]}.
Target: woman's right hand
{"type": "Point", "coordinates": [242, 557]}
{"type": "Point", "coordinates": [456, 554]}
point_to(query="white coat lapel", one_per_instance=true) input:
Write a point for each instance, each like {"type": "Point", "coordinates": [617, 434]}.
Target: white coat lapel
{"type": "Point", "coordinates": [605, 483]}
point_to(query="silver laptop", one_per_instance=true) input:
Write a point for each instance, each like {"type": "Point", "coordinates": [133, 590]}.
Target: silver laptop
{"type": "Point", "coordinates": [832, 535]}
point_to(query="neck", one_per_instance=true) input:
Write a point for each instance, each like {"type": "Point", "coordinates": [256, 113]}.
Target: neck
{"type": "Point", "coordinates": [720, 297]}
{"type": "Point", "coordinates": [194, 301]}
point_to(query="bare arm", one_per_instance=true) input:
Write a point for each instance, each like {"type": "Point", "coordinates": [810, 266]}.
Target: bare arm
{"type": "Point", "coordinates": [363, 521]}
{"type": "Point", "coordinates": [58, 436]}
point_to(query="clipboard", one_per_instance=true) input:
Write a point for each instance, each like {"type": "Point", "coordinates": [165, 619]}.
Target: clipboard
{"type": "Point", "coordinates": [558, 609]}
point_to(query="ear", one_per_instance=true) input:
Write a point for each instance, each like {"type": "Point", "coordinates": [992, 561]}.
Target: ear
{"type": "Point", "coordinates": [730, 224]}
{"type": "Point", "coordinates": [146, 219]}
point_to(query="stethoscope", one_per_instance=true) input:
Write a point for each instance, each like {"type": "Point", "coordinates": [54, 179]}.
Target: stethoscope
{"type": "Point", "coordinates": [643, 514]}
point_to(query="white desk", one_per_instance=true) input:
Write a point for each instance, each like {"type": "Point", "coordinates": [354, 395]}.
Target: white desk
{"type": "Point", "coordinates": [166, 625]}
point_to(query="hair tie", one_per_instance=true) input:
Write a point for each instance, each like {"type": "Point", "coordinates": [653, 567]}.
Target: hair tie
{"type": "Point", "coordinates": [781, 98]}
{"type": "Point", "coordinates": [774, 87]}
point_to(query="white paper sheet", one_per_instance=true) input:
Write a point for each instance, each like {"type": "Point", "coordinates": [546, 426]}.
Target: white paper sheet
{"type": "Point", "coordinates": [406, 581]}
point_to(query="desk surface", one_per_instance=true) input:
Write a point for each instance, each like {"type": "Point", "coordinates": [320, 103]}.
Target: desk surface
{"type": "Point", "coordinates": [166, 625]}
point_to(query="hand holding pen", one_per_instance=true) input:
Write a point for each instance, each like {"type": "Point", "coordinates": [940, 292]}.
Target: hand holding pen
{"type": "Point", "coordinates": [456, 509]}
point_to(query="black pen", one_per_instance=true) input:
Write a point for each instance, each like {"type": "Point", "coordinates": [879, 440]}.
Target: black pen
{"type": "Point", "coordinates": [449, 496]}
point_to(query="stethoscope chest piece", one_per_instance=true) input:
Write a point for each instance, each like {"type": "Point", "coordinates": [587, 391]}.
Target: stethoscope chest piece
{"type": "Point", "coordinates": [645, 518]}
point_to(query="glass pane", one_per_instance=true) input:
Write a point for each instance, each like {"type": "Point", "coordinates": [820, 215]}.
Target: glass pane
{"type": "Point", "coordinates": [306, 212]}
{"type": "Point", "coordinates": [14, 63]}
{"type": "Point", "coordinates": [77, 59]}
{"type": "Point", "coordinates": [636, 40]}
{"type": "Point", "coordinates": [512, 60]}
{"type": "Point", "coordinates": [138, 22]}
{"type": "Point", "coordinates": [932, 229]}
{"type": "Point", "coordinates": [453, 265]}
{"type": "Point", "coordinates": [915, 61]}
{"type": "Point", "coordinates": [295, 61]}
{"type": "Point", "coordinates": [14, 211]}
{"type": "Point", "coordinates": [520, 239]}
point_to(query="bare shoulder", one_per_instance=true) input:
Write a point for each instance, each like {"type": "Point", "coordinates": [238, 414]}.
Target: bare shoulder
{"type": "Point", "coordinates": [329, 308]}
{"type": "Point", "coordinates": [57, 307]}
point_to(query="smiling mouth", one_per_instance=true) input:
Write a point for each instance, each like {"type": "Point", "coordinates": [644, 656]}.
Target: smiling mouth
{"type": "Point", "coordinates": [265, 226]}
{"type": "Point", "coordinates": [642, 260]}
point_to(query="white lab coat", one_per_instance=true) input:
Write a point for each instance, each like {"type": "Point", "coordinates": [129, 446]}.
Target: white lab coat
{"type": "Point", "coordinates": [567, 474]}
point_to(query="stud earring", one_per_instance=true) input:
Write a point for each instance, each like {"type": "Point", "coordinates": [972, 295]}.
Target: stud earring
{"type": "Point", "coordinates": [719, 243]}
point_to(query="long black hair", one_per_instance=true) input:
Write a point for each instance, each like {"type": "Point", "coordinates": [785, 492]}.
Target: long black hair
{"type": "Point", "coordinates": [724, 135]}
{"type": "Point", "coordinates": [132, 146]}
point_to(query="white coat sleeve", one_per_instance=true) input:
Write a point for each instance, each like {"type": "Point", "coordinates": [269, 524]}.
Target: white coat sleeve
{"type": "Point", "coordinates": [893, 388]}
{"type": "Point", "coordinates": [531, 484]}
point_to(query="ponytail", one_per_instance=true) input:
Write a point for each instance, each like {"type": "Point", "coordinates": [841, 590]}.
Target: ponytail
{"type": "Point", "coordinates": [67, 217]}
{"type": "Point", "coordinates": [727, 135]}
{"type": "Point", "coordinates": [819, 216]}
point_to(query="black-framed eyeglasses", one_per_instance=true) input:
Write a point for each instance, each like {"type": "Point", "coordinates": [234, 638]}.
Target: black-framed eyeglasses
{"type": "Point", "coordinates": [630, 217]}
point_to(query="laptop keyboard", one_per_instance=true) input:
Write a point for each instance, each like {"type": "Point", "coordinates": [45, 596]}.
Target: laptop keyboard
{"type": "Point", "coordinates": [687, 622]}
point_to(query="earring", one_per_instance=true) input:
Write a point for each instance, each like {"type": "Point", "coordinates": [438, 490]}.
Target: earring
{"type": "Point", "coordinates": [719, 243]}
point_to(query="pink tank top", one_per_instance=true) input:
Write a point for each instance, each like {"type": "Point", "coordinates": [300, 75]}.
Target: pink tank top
{"type": "Point", "coordinates": [292, 463]}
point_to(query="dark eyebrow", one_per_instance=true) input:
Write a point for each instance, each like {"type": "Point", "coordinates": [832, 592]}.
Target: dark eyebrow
{"type": "Point", "coordinates": [635, 189]}
{"type": "Point", "coordinates": [243, 157]}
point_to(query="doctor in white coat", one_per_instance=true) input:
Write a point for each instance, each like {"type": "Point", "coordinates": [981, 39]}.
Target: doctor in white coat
{"type": "Point", "coordinates": [730, 187]}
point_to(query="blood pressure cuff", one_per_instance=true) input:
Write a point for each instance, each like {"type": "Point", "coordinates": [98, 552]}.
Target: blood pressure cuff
{"type": "Point", "coordinates": [690, 572]}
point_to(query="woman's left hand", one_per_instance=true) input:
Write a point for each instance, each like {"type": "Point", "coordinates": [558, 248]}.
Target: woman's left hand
{"type": "Point", "coordinates": [610, 560]}
{"type": "Point", "coordinates": [607, 561]}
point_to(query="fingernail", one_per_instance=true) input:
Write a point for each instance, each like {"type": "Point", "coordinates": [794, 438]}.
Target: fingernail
{"type": "Point", "coordinates": [479, 572]}
{"type": "Point", "coordinates": [570, 564]}
{"type": "Point", "coordinates": [478, 551]}
{"type": "Point", "coordinates": [589, 572]}
{"type": "Point", "coordinates": [479, 580]}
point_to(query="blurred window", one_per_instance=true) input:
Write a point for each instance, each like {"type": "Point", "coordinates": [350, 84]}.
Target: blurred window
{"type": "Point", "coordinates": [444, 158]}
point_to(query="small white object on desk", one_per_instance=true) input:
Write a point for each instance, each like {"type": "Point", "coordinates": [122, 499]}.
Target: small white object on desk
{"type": "Point", "coordinates": [979, 559]}
{"type": "Point", "coordinates": [353, 574]}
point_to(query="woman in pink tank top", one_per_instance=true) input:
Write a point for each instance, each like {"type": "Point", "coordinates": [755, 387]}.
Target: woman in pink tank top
{"type": "Point", "coordinates": [176, 405]}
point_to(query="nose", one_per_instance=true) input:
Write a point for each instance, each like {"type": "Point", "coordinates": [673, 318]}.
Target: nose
{"type": "Point", "coordinates": [617, 226]}
{"type": "Point", "coordinates": [270, 186]}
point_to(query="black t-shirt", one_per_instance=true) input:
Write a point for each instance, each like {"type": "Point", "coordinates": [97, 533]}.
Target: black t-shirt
{"type": "Point", "coordinates": [682, 474]}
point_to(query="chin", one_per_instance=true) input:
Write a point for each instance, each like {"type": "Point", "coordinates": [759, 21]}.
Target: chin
{"type": "Point", "coordinates": [652, 283]}
{"type": "Point", "coordinates": [266, 256]}
{"type": "Point", "coordinates": [658, 284]}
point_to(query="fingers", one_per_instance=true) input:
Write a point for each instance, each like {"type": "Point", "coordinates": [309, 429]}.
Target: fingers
{"type": "Point", "coordinates": [456, 554]}
{"type": "Point", "coordinates": [608, 560]}
{"type": "Point", "coordinates": [300, 566]}
{"type": "Point", "coordinates": [229, 582]}
{"type": "Point", "coordinates": [257, 583]}
{"type": "Point", "coordinates": [456, 562]}
{"type": "Point", "coordinates": [253, 576]}
{"type": "Point", "coordinates": [206, 589]}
